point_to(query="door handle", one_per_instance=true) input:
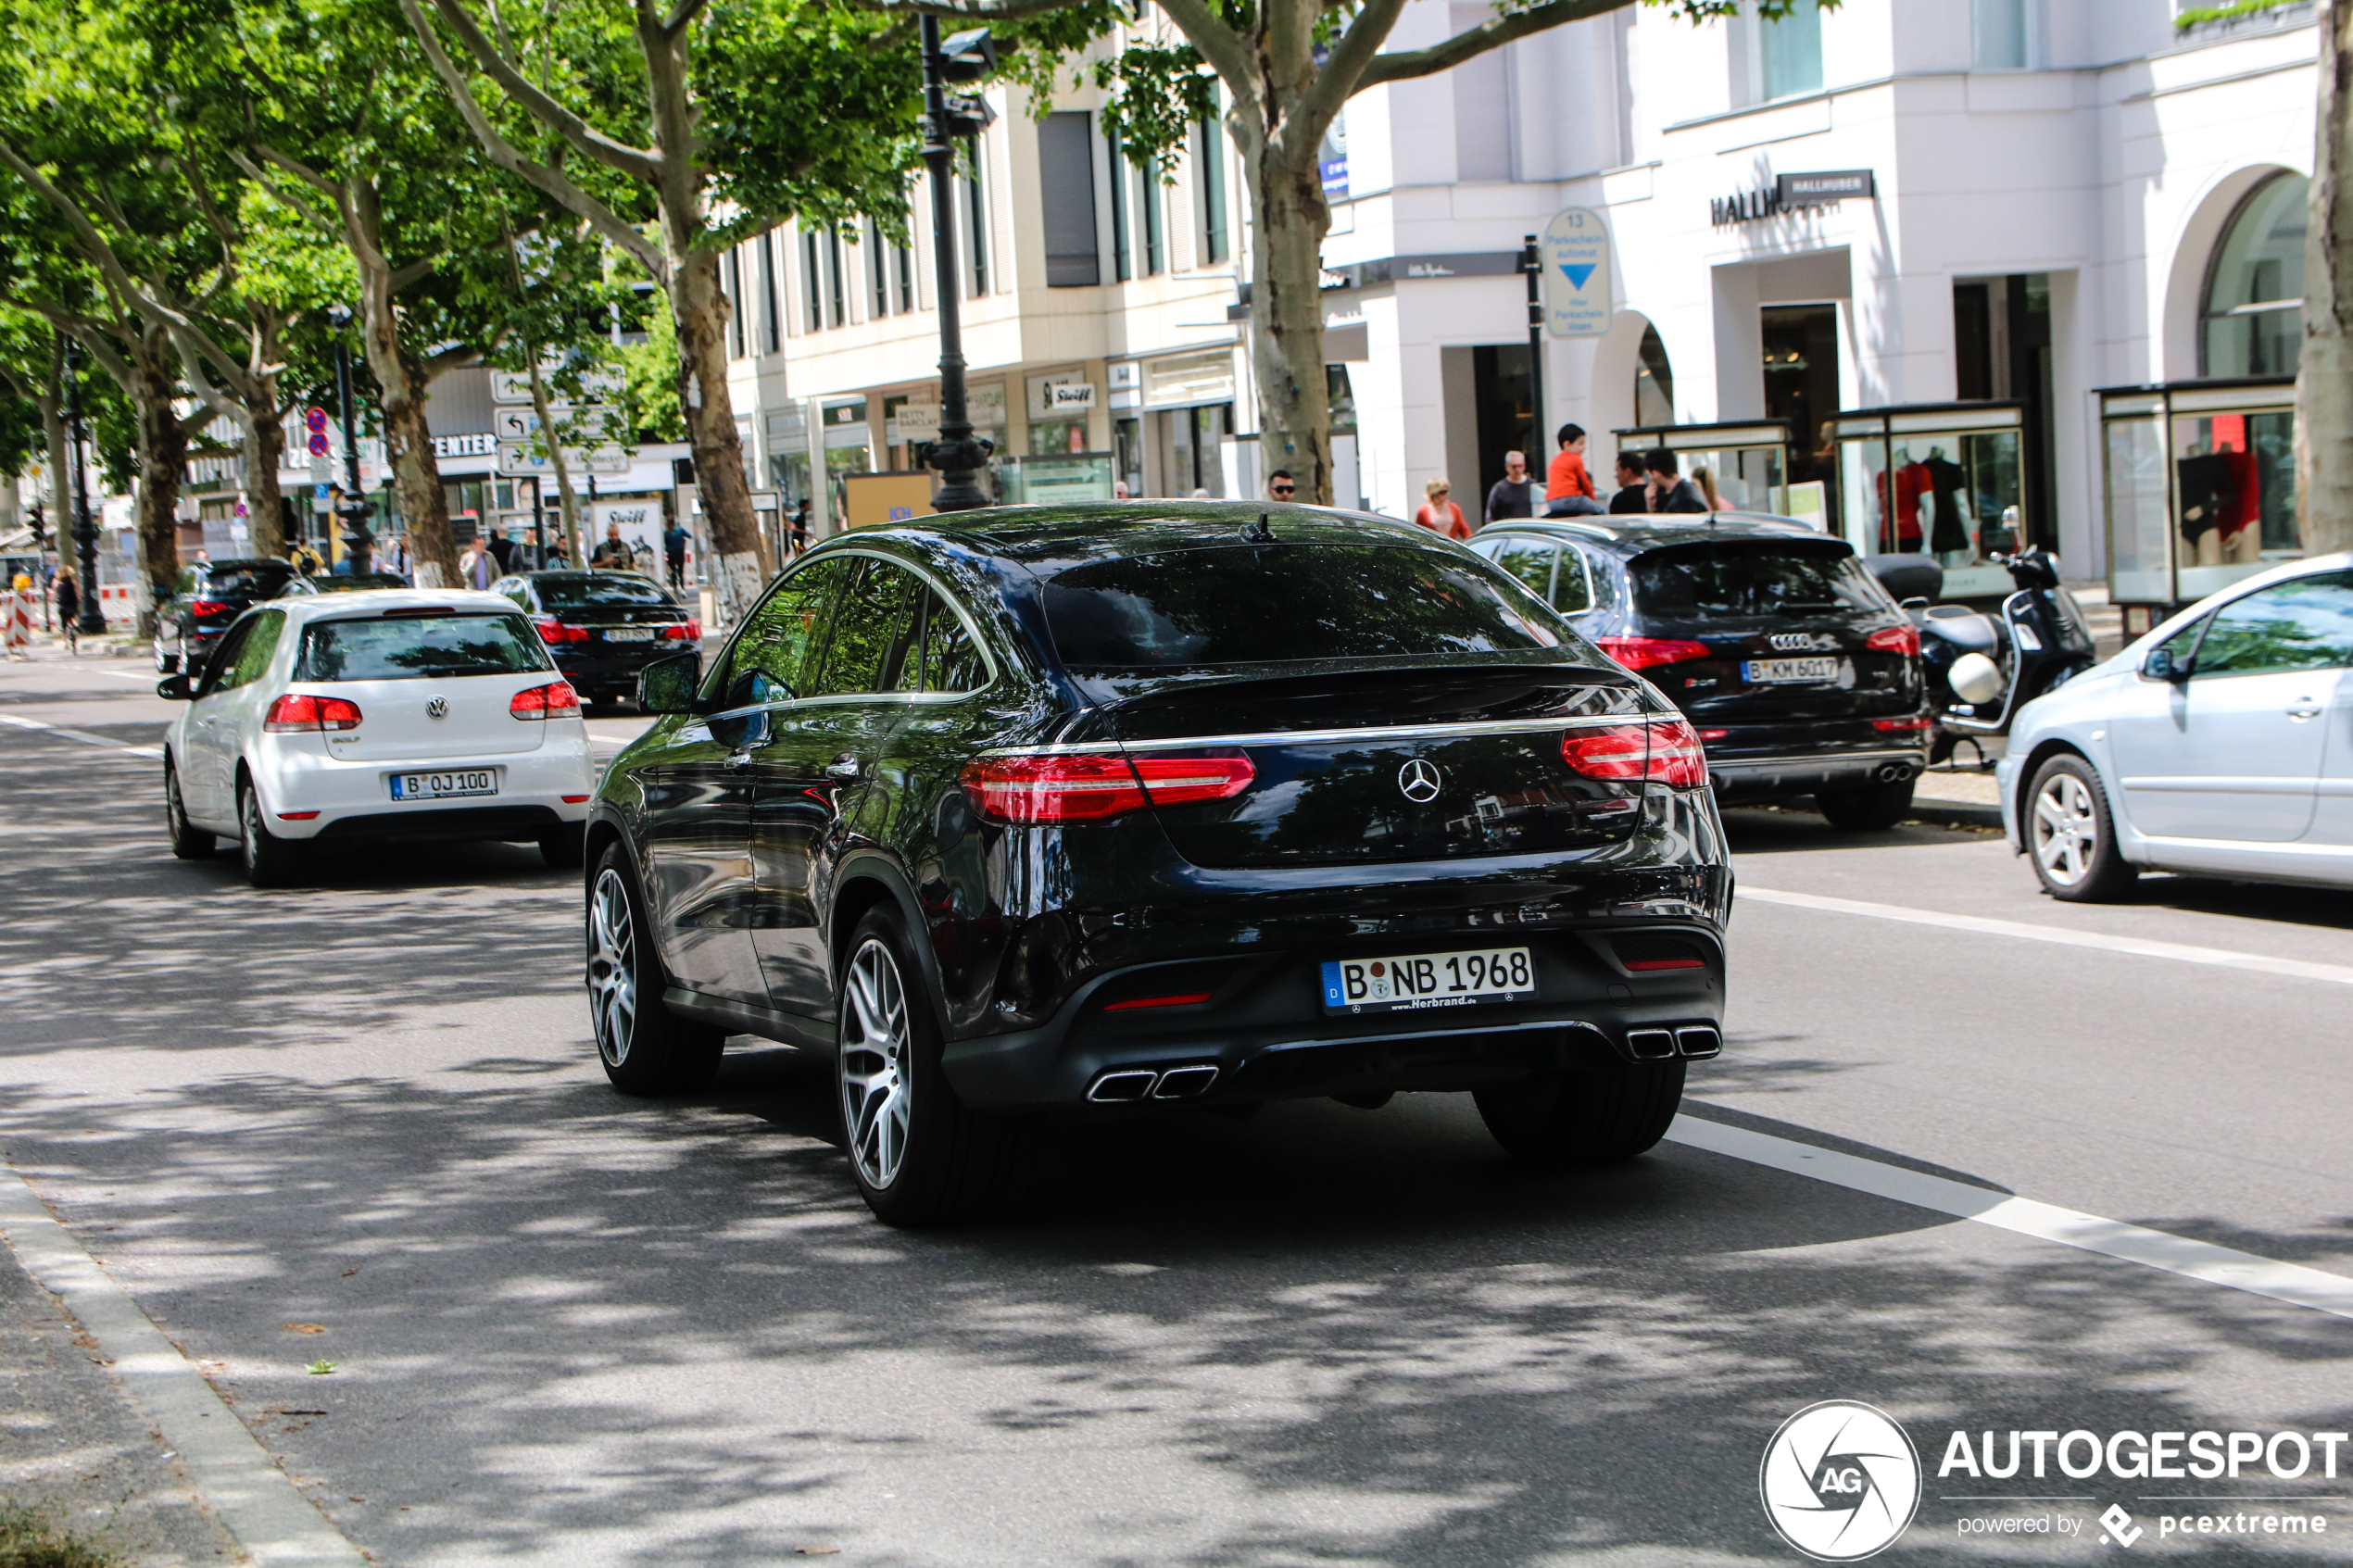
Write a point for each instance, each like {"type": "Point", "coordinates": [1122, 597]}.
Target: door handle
{"type": "Point", "coordinates": [2304, 710]}
{"type": "Point", "coordinates": [843, 767]}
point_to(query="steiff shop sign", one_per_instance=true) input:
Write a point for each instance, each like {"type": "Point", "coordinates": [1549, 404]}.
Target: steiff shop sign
{"type": "Point", "coordinates": [1789, 192]}
{"type": "Point", "coordinates": [1579, 279]}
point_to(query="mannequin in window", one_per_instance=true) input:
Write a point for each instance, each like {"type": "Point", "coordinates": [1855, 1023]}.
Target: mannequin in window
{"type": "Point", "coordinates": [2240, 522]}
{"type": "Point", "coordinates": [1912, 483]}
{"type": "Point", "coordinates": [2208, 493]}
{"type": "Point", "coordinates": [1948, 530]}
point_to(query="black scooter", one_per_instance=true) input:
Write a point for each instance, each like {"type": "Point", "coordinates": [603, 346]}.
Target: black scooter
{"type": "Point", "coordinates": [1982, 668]}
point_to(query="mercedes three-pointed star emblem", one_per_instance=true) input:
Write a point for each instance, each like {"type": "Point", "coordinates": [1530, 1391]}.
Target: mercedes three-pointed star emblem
{"type": "Point", "coordinates": [1418, 781]}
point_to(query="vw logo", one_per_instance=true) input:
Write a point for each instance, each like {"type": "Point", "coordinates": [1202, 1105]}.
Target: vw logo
{"type": "Point", "coordinates": [436, 708]}
{"type": "Point", "coordinates": [1418, 781]}
{"type": "Point", "coordinates": [1841, 1481]}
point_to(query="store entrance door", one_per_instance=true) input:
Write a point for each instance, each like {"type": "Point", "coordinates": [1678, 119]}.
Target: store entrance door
{"type": "Point", "coordinates": [1187, 446]}
{"type": "Point", "coordinates": [1506, 422]}
{"type": "Point", "coordinates": [2002, 350]}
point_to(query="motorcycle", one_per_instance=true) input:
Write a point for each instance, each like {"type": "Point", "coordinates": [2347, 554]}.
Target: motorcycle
{"type": "Point", "coordinates": [1982, 668]}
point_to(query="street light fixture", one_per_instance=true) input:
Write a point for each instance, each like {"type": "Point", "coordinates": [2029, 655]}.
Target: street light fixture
{"type": "Point", "coordinates": [92, 617]}
{"type": "Point", "coordinates": [968, 56]}
{"type": "Point", "coordinates": [357, 542]}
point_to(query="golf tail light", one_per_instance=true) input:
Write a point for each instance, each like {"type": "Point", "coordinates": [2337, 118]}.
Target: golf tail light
{"type": "Point", "coordinates": [554, 700]}
{"type": "Point", "coordinates": [553, 632]}
{"type": "Point", "coordinates": [1087, 788]}
{"type": "Point", "coordinates": [1904, 640]}
{"type": "Point", "coordinates": [299, 713]}
{"type": "Point", "coordinates": [1641, 653]}
{"type": "Point", "coordinates": [1666, 751]}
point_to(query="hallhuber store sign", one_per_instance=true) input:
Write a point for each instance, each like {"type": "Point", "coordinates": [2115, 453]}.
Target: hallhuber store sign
{"type": "Point", "coordinates": [1790, 191]}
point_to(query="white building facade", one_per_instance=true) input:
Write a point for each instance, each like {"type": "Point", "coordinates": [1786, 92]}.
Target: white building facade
{"type": "Point", "coordinates": [2046, 203]}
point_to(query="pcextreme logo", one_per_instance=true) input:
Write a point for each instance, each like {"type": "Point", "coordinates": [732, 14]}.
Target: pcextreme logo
{"type": "Point", "coordinates": [1841, 1481]}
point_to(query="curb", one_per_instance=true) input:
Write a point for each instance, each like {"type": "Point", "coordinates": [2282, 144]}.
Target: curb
{"type": "Point", "coordinates": [1956, 814]}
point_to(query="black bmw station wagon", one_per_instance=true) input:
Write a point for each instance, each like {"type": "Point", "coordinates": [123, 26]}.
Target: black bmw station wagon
{"type": "Point", "coordinates": [1103, 808]}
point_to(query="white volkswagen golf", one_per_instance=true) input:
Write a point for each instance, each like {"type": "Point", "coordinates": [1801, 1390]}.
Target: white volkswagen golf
{"type": "Point", "coordinates": [391, 714]}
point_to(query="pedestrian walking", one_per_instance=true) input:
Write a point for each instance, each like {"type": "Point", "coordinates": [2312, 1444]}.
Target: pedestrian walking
{"type": "Point", "coordinates": [674, 553]}
{"type": "Point", "coordinates": [1568, 489]}
{"type": "Point", "coordinates": [1512, 495]}
{"type": "Point", "coordinates": [65, 594]}
{"type": "Point", "coordinates": [612, 551]}
{"type": "Point", "coordinates": [305, 560]}
{"type": "Point", "coordinates": [800, 530]}
{"type": "Point", "coordinates": [1670, 492]}
{"type": "Point", "coordinates": [1280, 486]}
{"type": "Point", "coordinates": [478, 568]}
{"type": "Point", "coordinates": [1439, 513]}
{"type": "Point", "coordinates": [1707, 491]}
{"type": "Point", "coordinates": [502, 549]}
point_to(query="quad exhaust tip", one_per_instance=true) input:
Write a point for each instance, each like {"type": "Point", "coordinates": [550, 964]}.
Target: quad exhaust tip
{"type": "Point", "coordinates": [1650, 1044]}
{"type": "Point", "coordinates": [1131, 1085]}
{"type": "Point", "coordinates": [1699, 1041]}
{"type": "Point", "coordinates": [1696, 1041]}
{"type": "Point", "coordinates": [1896, 773]}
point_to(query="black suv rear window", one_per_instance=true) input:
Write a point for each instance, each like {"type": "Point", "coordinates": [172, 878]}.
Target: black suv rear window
{"type": "Point", "coordinates": [244, 581]}
{"type": "Point", "coordinates": [605, 588]}
{"type": "Point", "coordinates": [1754, 577]}
{"type": "Point", "coordinates": [1283, 602]}
{"type": "Point", "coordinates": [418, 647]}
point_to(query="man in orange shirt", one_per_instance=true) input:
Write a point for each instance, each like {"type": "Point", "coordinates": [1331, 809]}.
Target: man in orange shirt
{"type": "Point", "coordinates": [1568, 489]}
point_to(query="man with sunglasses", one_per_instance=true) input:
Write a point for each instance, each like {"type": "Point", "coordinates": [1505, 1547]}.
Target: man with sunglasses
{"type": "Point", "coordinates": [1280, 485]}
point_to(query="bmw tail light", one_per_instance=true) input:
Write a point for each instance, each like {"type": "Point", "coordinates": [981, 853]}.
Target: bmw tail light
{"type": "Point", "coordinates": [1087, 788]}
{"type": "Point", "coordinates": [298, 713]}
{"type": "Point", "coordinates": [554, 700]}
{"type": "Point", "coordinates": [1641, 653]}
{"type": "Point", "coordinates": [684, 632]}
{"type": "Point", "coordinates": [553, 632]}
{"type": "Point", "coordinates": [1665, 752]}
{"type": "Point", "coordinates": [206, 608]}
{"type": "Point", "coordinates": [1904, 640]}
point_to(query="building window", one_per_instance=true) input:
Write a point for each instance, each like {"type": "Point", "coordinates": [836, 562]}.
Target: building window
{"type": "Point", "coordinates": [771, 316]}
{"type": "Point", "coordinates": [976, 227]}
{"type": "Point", "coordinates": [903, 261]}
{"type": "Point", "coordinates": [1216, 234]}
{"type": "Point", "coordinates": [837, 291]}
{"type": "Point", "coordinates": [1123, 264]}
{"type": "Point", "coordinates": [812, 283]}
{"type": "Point", "coordinates": [1999, 34]}
{"type": "Point", "coordinates": [1776, 56]}
{"type": "Point", "coordinates": [2251, 320]}
{"type": "Point", "coordinates": [1066, 192]}
{"type": "Point", "coordinates": [1149, 199]}
{"type": "Point", "coordinates": [1654, 382]}
{"type": "Point", "coordinates": [732, 281]}
{"type": "Point", "coordinates": [877, 272]}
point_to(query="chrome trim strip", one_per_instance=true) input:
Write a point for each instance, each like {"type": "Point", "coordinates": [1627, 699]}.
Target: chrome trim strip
{"type": "Point", "coordinates": [1819, 758]}
{"type": "Point", "coordinates": [1319, 737]}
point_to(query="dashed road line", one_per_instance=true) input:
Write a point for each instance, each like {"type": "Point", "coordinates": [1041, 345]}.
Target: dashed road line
{"type": "Point", "coordinates": [2291, 1283]}
{"type": "Point", "coordinates": [83, 736]}
{"type": "Point", "coordinates": [256, 1501]}
{"type": "Point", "coordinates": [2140, 947]}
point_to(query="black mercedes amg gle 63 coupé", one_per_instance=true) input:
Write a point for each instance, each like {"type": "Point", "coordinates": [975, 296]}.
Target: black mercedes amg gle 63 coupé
{"type": "Point", "coordinates": [1105, 808]}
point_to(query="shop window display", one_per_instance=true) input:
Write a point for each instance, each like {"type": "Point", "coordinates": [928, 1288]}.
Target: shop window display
{"type": "Point", "coordinates": [2200, 479]}
{"type": "Point", "coordinates": [1940, 481]}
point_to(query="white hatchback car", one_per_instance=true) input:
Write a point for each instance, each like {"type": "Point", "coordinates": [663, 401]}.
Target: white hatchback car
{"type": "Point", "coordinates": [383, 714]}
{"type": "Point", "coordinates": [2219, 744]}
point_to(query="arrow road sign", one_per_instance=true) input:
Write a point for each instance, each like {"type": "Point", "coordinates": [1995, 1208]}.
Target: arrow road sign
{"type": "Point", "coordinates": [1579, 282]}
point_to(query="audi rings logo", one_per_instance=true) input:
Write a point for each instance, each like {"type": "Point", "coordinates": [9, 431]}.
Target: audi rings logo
{"type": "Point", "coordinates": [1841, 1481]}
{"type": "Point", "coordinates": [1418, 781]}
{"type": "Point", "coordinates": [436, 708]}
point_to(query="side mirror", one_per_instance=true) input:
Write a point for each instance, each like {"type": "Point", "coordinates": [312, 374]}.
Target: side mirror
{"type": "Point", "coordinates": [2159, 666]}
{"type": "Point", "coordinates": [667, 686]}
{"type": "Point", "coordinates": [174, 688]}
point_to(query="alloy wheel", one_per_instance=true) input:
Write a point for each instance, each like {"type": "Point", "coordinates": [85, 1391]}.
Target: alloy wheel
{"type": "Point", "coordinates": [249, 826]}
{"type": "Point", "coordinates": [2067, 829]}
{"type": "Point", "coordinates": [877, 1076]}
{"type": "Point", "coordinates": [612, 967]}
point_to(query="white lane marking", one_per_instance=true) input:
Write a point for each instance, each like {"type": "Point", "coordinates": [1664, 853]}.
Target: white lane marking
{"type": "Point", "coordinates": [2335, 974]}
{"type": "Point", "coordinates": [83, 736]}
{"type": "Point", "coordinates": [2291, 1283]}
{"type": "Point", "coordinates": [243, 1487]}
{"type": "Point", "coordinates": [128, 675]}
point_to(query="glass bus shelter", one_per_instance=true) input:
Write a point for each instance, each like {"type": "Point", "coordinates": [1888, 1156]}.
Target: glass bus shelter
{"type": "Point", "coordinates": [1749, 460]}
{"type": "Point", "coordinates": [2200, 488]}
{"type": "Point", "coordinates": [1943, 480]}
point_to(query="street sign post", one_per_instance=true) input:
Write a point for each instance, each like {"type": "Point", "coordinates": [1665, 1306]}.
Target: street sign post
{"type": "Point", "coordinates": [521, 424]}
{"type": "Point", "coordinates": [1581, 274]}
{"type": "Point", "coordinates": [514, 387]}
{"type": "Point", "coordinates": [522, 458]}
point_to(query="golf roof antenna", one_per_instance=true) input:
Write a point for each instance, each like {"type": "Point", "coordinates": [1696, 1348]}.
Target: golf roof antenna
{"type": "Point", "coordinates": [1259, 532]}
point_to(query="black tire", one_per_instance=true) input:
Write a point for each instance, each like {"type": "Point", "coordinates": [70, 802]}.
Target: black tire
{"type": "Point", "coordinates": [1865, 807]}
{"type": "Point", "coordinates": [189, 842]}
{"type": "Point", "coordinates": [566, 848]}
{"type": "Point", "coordinates": [1579, 1120]}
{"type": "Point", "coordinates": [918, 1155]}
{"type": "Point", "coordinates": [2070, 835]}
{"type": "Point", "coordinates": [646, 1049]}
{"type": "Point", "coordinates": [166, 663]}
{"type": "Point", "coordinates": [270, 861]}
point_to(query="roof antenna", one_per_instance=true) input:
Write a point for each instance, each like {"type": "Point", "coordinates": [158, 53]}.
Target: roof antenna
{"type": "Point", "coordinates": [1259, 532]}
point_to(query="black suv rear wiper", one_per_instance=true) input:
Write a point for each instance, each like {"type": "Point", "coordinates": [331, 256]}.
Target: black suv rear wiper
{"type": "Point", "coordinates": [1807, 608]}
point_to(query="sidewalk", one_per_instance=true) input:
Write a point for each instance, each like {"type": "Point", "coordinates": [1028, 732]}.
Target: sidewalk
{"type": "Point", "coordinates": [73, 1446]}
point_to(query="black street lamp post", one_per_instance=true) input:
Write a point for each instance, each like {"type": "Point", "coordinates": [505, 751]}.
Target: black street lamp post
{"type": "Point", "coordinates": [1532, 262]}
{"type": "Point", "coordinates": [85, 527]}
{"type": "Point", "coordinates": [357, 542]}
{"type": "Point", "coordinates": [968, 56]}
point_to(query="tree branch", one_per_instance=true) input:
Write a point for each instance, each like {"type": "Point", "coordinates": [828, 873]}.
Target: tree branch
{"type": "Point", "coordinates": [1407, 64]}
{"type": "Point", "coordinates": [1224, 51]}
{"type": "Point", "coordinates": [301, 208]}
{"type": "Point", "coordinates": [957, 10]}
{"type": "Point", "coordinates": [415, 272]}
{"type": "Point", "coordinates": [503, 152]}
{"type": "Point", "coordinates": [684, 12]}
{"type": "Point", "coordinates": [635, 162]}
